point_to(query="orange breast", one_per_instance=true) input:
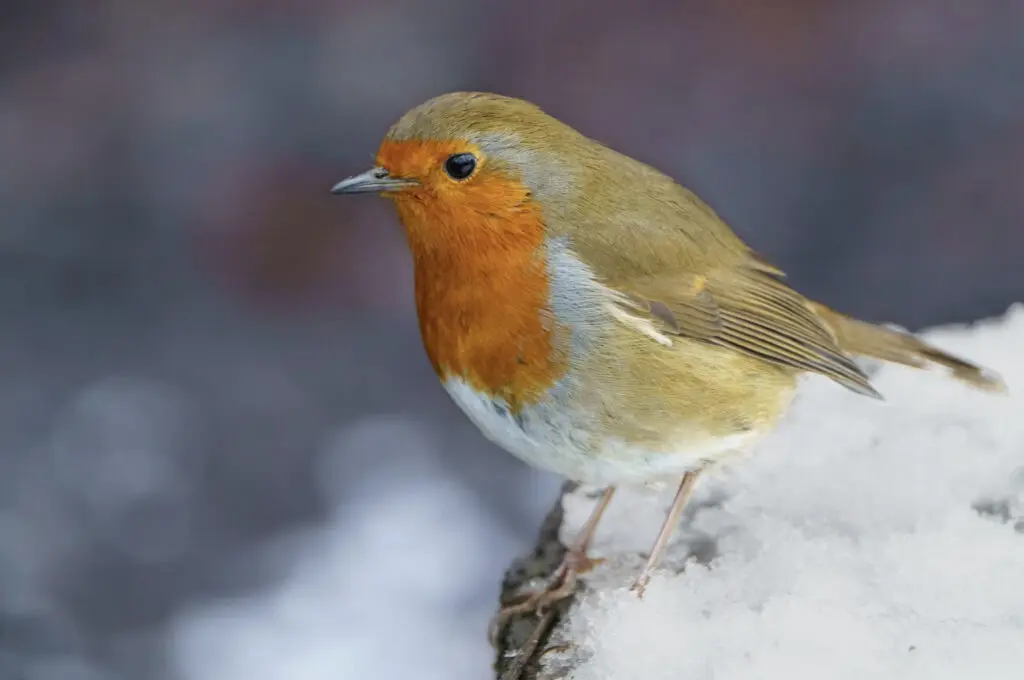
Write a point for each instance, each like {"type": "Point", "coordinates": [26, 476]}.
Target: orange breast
{"type": "Point", "coordinates": [482, 290]}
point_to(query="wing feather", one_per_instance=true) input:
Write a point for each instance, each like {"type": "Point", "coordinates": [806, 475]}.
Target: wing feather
{"type": "Point", "coordinates": [745, 307]}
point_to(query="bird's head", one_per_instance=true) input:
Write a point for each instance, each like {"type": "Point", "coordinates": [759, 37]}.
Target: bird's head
{"type": "Point", "coordinates": [470, 165]}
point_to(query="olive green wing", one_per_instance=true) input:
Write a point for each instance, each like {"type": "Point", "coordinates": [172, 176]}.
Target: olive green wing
{"type": "Point", "coordinates": [746, 307]}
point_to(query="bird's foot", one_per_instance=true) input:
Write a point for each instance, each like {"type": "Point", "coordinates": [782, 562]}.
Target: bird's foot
{"type": "Point", "coordinates": [562, 585]}
{"type": "Point", "coordinates": [640, 585]}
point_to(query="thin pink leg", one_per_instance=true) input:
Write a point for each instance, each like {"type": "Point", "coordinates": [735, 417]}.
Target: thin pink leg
{"type": "Point", "coordinates": [582, 541]}
{"type": "Point", "coordinates": [683, 494]}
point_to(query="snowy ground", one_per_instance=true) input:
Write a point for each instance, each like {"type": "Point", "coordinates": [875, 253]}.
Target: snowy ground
{"type": "Point", "coordinates": [864, 540]}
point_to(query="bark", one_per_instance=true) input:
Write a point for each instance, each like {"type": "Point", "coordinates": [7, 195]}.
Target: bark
{"type": "Point", "coordinates": [525, 639]}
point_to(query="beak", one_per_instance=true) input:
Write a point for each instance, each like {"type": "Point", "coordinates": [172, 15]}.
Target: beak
{"type": "Point", "coordinates": [372, 181]}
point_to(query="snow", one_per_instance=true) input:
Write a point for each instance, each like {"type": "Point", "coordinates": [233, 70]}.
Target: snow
{"type": "Point", "coordinates": [864, 539]}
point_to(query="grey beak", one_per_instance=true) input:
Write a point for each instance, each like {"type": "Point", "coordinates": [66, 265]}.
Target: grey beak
{"type": "Point", "coordinates": [372, 181]}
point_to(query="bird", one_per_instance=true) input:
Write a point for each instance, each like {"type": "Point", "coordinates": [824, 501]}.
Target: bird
{"type": "Point", "coordinates": [595, 318]}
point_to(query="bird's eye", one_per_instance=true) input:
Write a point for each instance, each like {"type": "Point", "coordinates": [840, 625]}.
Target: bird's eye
{"type": "Point", "coordinates": [460, 166]}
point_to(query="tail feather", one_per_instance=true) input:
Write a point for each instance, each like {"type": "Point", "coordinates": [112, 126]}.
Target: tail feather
{"type": "Point", "coordinates": [888, 344]}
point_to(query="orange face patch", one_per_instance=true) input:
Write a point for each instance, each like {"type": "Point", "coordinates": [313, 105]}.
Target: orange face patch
{"type": "Point", "coordinates": [482, 287]}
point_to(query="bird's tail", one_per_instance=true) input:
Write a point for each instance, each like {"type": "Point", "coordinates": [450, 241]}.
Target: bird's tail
{"type": "Point", "coordinates": [867, 339]}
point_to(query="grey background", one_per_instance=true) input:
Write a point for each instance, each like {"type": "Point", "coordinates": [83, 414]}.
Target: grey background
{"type": "Point", "coordinates": [204, 356]}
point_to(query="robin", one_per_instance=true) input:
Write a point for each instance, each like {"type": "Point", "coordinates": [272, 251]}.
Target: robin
{"type": "Point", "coordinates": [595, 318]}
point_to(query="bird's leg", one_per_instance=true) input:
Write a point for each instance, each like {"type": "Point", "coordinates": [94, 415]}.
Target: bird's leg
{"type": "Point", "coordinates": [563, 581]}
{"type": "Point", "coordinates": [675, 511]}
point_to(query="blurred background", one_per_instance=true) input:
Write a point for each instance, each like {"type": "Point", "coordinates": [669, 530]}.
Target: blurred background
{"type": "Point", "coordinates": [223, 454]}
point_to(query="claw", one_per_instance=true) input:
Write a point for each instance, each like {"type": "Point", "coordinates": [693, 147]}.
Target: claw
{"type": "Point", "coordinates": [562, 585]}
{"type": "Point", "coordinates": [639, 586]}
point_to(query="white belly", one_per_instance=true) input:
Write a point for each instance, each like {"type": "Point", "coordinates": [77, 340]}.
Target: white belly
{"type": "Point", "coordinates": [554, 436]}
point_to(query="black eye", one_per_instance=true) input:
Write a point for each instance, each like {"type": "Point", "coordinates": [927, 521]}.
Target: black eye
{"type": "Point", "coordinates": [460, 166]}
